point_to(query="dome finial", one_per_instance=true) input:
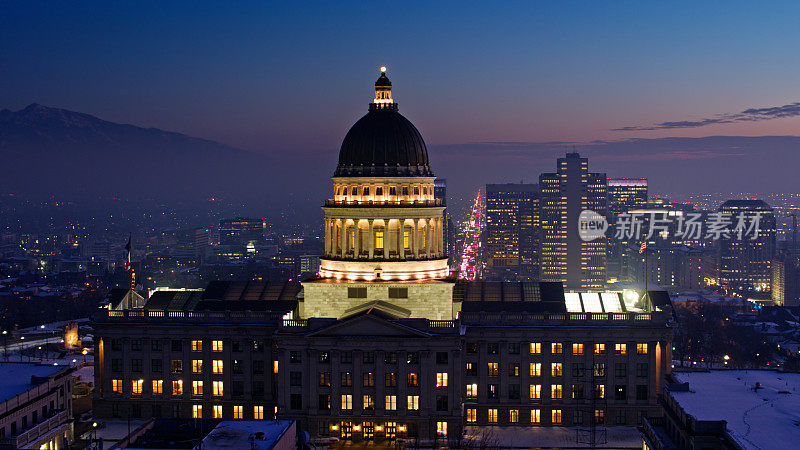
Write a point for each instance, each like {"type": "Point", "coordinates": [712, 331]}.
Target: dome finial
{"type": "Point", "coordinates": [383, 92]}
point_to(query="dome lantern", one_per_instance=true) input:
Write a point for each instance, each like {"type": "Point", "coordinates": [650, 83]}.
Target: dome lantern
{"type": "Point", "coordinates": [383, 93]}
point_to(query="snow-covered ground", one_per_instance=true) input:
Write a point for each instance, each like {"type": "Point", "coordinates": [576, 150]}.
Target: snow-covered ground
{"type": "Point", "coordinates": [761, 419]}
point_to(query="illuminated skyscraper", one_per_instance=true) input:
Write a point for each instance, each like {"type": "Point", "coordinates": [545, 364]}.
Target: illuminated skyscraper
{"type": "Point", "coordinates": [563, 195]}
{"type": "Point", "coordinates": [744, 263]}
{"type": "Point", "coordinates": [624, 194]}
{"type": "Point", "coordinates": [512, 231]}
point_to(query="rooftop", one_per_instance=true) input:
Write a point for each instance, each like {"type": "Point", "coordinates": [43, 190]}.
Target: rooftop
{"type": "Point", "coordinates": [767, 417]}
{"type": "Point", "coordinates": [15, 378]}
{"type": "Point", "coordinates": [237, 434]}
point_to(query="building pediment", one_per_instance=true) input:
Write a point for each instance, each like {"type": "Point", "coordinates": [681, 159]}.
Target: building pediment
{"type": "Point", "coordinates": [368, 324]}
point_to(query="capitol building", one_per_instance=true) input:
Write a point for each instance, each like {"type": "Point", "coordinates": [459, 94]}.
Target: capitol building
{"type": "Point", "coordinates": [384, 343]}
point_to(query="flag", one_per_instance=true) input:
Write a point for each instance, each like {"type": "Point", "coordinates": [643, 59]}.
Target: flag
{"type": "Point", "coordinates": [643, 248]}
{"type": "Point", "coordinates": [128, 249]}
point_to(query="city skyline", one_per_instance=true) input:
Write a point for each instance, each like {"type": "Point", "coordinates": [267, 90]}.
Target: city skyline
{"type": "Point", "coordinates": [631, 86]}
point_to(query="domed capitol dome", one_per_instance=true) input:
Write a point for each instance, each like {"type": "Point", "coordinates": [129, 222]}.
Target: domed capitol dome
{"type": "Point", "coordinates": [383, 143]}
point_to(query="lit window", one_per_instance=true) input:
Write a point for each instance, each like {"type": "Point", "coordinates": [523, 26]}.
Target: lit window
{"type": "Point", "coordinates": [218, 411]}
{"type": "Point", "coordinates": [158, 386]}
{"type": "Point", "coordinates": [413, 402]}
{"type": "Point", "coordinates": [535, 391]}
{"type": "Point", "coordinates": [197, 411]}
{"type": "Point", "coordinates": [136, 387]}
{"type": "Point", "coordinates": [258, 412]}
{"type": "Point", "coordinates": [641, 349]}
{"type": "Point", "coordinates": [555, 416]}
{"type": "Point", "coordinates": [556, 369]}
{"type": "Point", "coordinates": [391, 402]}
{"type": "Point", "coordinates": [216, 366]}
{"type": "Point", "coordinates": [238, 412]}
{"type": "Point", "coordinates": [274, 366]}
{"type": "Point", "coordinates": [217, 388]}
{"type": "Point", "coordinates": [367, 402]}
{"type": "Point", "coordinates": [536, 369]}
{"type": "Point", "coordinates": [494, 369]}
{"type": "Point", "coordinates": [406, 239]}
{"type": "Point", "coordinates": [492, 415]}
{"type": "Point", "coordinates": [441, 429]}
{"type": "Point", "coordinates": [197, 366]}
{"type": "Point", "coordinates": [536, 416]}
{"type": "Point", "coordinates": [555, 391]}
{"type": "Point", "coordinates": [599, 349]}
{"type": "Point", "coordinates": [577, 349]}
{"type": "Point", "coordinates": [379, 240]}
{"type": "Point", "coordinates": [197, 346]}
{"type": "Point", "coordinates": [197, 388]}
{"type": "Point", "coordinates": [472, 390]}
{"type": "Point", "coordinates": [347, 401]}
{"type": "Point", "coordinates": [472, 415]}
{"type": "Point", "coordinates": [599, 416]}
{"type": "Point", "coordinates": [216, 346]}
{"type": "Point", "coordinates": [513, 415]}
{"type": "Point", "coordinates": [116, 386]}
{"type": "Point", "coordinates": [177, 387]}
{"type": "Point", "coordinates": [620, 349]}
{"type": "Point", "coordinates": [556, 348]}
{"type": "Point", "coordinates": [441, 379]}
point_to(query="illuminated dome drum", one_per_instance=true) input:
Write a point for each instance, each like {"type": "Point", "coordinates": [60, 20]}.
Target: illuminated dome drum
{"type": "Point", "coordinates": [383, 222]}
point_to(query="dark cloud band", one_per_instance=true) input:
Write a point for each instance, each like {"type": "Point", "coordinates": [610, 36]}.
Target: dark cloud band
{"type": "Point", "coordinates": [748, 115]}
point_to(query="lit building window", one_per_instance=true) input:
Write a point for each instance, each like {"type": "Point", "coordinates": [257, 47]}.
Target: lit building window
{"type": "Point", "coordinates": [197, 366]}
{"type": "Point", "coordinates": [406, 239]}
{"type": "Point", "coordinates": [536, 369]}
{"type": "Point", "coordinates": [600, 391]}
{"type": "Point", "coordinates": [217, 388]}
{"type": "Point", "coordinates": [391, 402]}
{"type": "Point", "coordinates": [238, 412]}
{"type": "Point", "coordinates": [441, 379]}
{"type": "Point", "coordinates": [347, 401]}
{"type": "Point", "coordinates": [599, 416]}
{"type": "Point", "coordinates": [472, 390]}
{"type": "Point", "coordinates": [441, 429]}
{"type": "Point", "coordinates": [197, 346]}
{"type": "Point", "coordinates": [577, 349]}
{"type": "Point", "coordinates": [368, 403]}
{"type": "Point", "coordinates": [599, 349]}
{"type": "Point", "coordinates": [197, 411]}
{"type": "Point", "coordinates": [513, 415]}
{"type": "Point", "coordinates": [620, 349]}
{"type": "Point", "coordinates": [216, 366]}
{"type": "Point", "coordinates": [216, 346]}
{"type": "Point", "coordinates": [116, 386]}
{"type": "Point", "coordinates": [379, 240]}
{"type": "Point", "coordinates": [274, 366]}
{"type": "Point", "coordinates": [413, 380]}
{"type": "Point", "coordinates": [492, 415]}
{"type": "Point", "coordinates": [535, 348]}
{"type": "Point", "coordinates": [556, 369]}
{"type": "Point", "coordinates": [177, 387]}
{"type": "Point", "coordinates": [536, 416]}
{"type": "Point", "coordinates": [535, 391]}
{"type": "Point", "coordinates": [494, 369]}
{"type": "Point", "coordinates": [217, 411]}
{"type": "Point", "coordinates": [158, 386]}
{"type": "Point", "coordinates": [555, 416]}
{"type": "Point", "coordinates": [413, 402]}
{"type": "Point", "coordinates": [136, 387]}
{"type": "Point", "coordinates": [197, 388]}
{"type": "Point", "coordinates": [556, 348]}
{"type": "Point", "coordinates": [641, 349]}
{"type": "Point", "coordinates": [258, 412]}
{"type": "Point", "coordinates": [472, 415]}
{"type": "Point", "coordinates": [555, 391]}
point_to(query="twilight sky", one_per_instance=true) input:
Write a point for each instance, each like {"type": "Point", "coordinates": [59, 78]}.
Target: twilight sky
{"type": "Point", "coordinates": [289, 78]}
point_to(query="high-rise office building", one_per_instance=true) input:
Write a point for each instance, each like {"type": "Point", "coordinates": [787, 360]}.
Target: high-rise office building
{"type": "Point", "coordinates": [241, 231]}
{"type": "Point", "coordinates": [624, 195]}
{"type": "Point", "coordinates": [563, 195]}
{"type": "Point", "coordinates": [744, 261]}
{"type": "Point", "coordinates": [512, 231]}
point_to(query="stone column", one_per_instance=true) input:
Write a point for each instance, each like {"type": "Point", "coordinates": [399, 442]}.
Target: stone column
{"type": "Point", "coordinates": [415, 238]}
{"type": "Point", "coordinates": [357, 239]}
{"type": "Point", "coordinates": [343, 242]}
{"type": "Point", "coordinates": [401, 238]}
{"type": "Point", "coordinates": [371, 238]}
